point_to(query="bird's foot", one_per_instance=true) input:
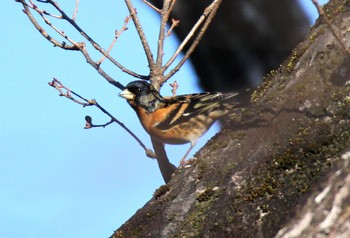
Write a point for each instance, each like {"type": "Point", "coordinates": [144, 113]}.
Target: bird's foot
{"type": "Point", "coordinates": [187, 163]}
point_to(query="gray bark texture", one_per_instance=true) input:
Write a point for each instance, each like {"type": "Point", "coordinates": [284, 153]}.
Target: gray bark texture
{"type": "Point", "coordinates": [280, 167]}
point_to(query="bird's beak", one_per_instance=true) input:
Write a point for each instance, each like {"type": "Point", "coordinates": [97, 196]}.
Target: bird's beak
{"type": "Point", "coordinates": [127, 94]}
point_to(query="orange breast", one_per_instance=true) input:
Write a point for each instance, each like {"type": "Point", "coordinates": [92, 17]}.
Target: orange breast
{"type": "Point", "coordinates": [177, 134]}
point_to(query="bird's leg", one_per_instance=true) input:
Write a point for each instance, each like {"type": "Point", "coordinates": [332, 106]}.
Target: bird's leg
{"type": "Point", "coordinates": [183, 160]}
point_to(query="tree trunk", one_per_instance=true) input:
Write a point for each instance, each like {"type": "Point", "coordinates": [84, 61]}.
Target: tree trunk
{"type": "Point", "coordinates": [280, 166]}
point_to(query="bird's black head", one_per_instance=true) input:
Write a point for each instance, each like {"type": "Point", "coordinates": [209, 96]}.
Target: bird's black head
{"type": "Point", "coordinates": [143, 94]}
{"type": "Point", "coordinates": [139, 88]}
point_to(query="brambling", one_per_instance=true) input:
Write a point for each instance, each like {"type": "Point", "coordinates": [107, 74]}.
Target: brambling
{"type": "Point", "coordinates": [180, 119]}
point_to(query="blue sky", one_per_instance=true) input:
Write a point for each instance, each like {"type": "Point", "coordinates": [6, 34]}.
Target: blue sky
{"type": "Point", "coordinates": [57, 179]}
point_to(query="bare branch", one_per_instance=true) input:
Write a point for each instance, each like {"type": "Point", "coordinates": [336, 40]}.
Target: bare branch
{"type": "Point", "coordinates": [161, 37]}
{"type": "Point", "coordinates": [330, 25]}
{"type": "Point", "coordinates": [166, 168]}
{"type": "Point", "coordinates": [89, 124]}
{"type": "Point", "coordinates": [141, 34]}
{"type": "Point", "coordinates": [98, 68]}
{"type": "Point", "coordinates": [34, 7]}
{"type": "Point", "coordinates": [43, 32]}
{"type": "Point", "coordinates": [75, 10]}
{"type": "Point", "coordinates": [55, 83]}
{"type": "Point", "coordinates": [174, 86]}
{"type": "Point", "coordinates": [174, 23]}
{"type": "Point", "coordinates": [75, 46]}
{"type": "Point", "coordinates": [117, 35]}
{"type": "Point", "coordinates": [151, 6]}
{"type": "Point", "coordinates": [92, 42]}
{"type": "Point", "coordinates": [40, 12]}
{"type": "Point", "coordinates": [206, 19]}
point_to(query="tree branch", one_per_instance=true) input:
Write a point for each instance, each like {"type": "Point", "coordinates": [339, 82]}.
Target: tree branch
{"type": "Point", "coordinates": [43, 32]}
{"type": "Point", "coordinates": [75, 10]}
{"type": "Point", "coordinates": [164, 19]}
{"type": "Point", "coordinates": [207, 17]}
{"type": "Point", "coordinates": [141, 34]}
{"type": "Point", "coordinates": [55, 83]}
{"type": "Point", "coordinates": [117, 35]}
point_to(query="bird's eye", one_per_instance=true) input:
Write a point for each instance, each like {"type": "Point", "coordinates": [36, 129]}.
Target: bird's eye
{"type": "Point", "coordinates": [138, 90]}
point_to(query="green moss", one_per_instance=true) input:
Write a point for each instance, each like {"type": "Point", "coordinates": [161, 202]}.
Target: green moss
{"type": "Point", "coordinates": [299, 165]}
{"type": "Point", "coordinates": [261, 91]}
{"type": "Point", "coordinates": [335, 8]}
{"type": "Point", "coordinates": [228, 168]}
{"type": "Point", "coordinates": [161, 191]}
{"type": "Point", "coordinates": [118, 234]}
{"type": "Point", "coordinates": [193, 224]}
{"type": "Point", "coordinates": [315, 34]}
{"type": "Point", "coordinates": [305, 158]}
{"type": "Point", "coordinates": [201, 168]}
{"type": "Point", "coordinates": [218, 145]}
{"type": "Point", "coordinates": [209, 194]}
{"type": "Point", "coordinates": [293, 59]}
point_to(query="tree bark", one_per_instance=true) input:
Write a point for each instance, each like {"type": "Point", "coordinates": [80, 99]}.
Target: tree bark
{"type": "Point", "coordinates": [280, 166]}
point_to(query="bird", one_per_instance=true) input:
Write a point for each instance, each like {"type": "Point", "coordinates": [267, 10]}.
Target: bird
{"type": "Point", "coordinates": [177, 119]}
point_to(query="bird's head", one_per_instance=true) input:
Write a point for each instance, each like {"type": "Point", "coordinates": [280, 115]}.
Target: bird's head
{"type": "Point", "coordinates": [143, 94]}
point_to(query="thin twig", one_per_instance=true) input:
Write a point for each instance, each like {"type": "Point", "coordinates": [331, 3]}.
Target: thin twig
{"type": "Point", "coordinates": [117, 35]}
{"type": "Point", "coordinates": [174, 87]}
{"type": "Point", "coordinates": [141, 34]}
{"type": "Point", "coordinates": [67, 93]}
{"type": "Point", "coordinates": [55, 83]}
{"type": "Point", "coordinates": [174, 23]}
{"type": "Point", "coordinates": [77, 46]}
{"type": "Point", "coordinates": [189, 36]}
{"type": "Point", "coordinates": [89, 124]}
{"type": "Point", "coordinates": [43, 32]}
{"type": "Point", "coordinates": [34, 7]}
{"type": "Point", "coordinates": [161, 37]}
{"type": "Point", "coordinates": [330, 25]}
{"type": "Point", "coordinates": [208, 14]}
{"type": "Point", "coordinates": [53, 27]}
{"type": "Point", "coordinates": [76, 8]}
{"type": "Point", "coordinates": [97, 67]}
{"type": "Point", "coordinates": [151, 6]}
{"type": "Point", "coordinates": [94, 43]}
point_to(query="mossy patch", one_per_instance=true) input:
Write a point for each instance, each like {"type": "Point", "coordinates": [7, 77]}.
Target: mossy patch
{"type": "Point", "coordinates": [194, 221]}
